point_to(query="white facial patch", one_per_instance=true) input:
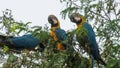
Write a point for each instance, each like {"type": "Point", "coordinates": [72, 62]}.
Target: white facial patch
{"type": "Point", "coordinates": [77, 18]}
{"type": "Point", "coordinates": [55, 21]}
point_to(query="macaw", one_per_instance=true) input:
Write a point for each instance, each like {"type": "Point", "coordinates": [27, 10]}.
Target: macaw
{"type": "Point", "coordinates": [58, 34]}
{"type": "Point", "coordinates": [86, 37]}
{"type": "Point", "coordinates": [27, 41]}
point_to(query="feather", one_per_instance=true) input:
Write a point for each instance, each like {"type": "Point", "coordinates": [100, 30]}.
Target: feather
{"type": "Point", "coordinates": [25, 41]}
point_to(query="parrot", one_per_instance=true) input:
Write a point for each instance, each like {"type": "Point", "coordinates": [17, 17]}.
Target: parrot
{"type": "Point", "coordinates": [59, 35]}
{"type": "Point", "coordinates": [85, 36]}
{"type": "Point", "coordinates": [27, 41]}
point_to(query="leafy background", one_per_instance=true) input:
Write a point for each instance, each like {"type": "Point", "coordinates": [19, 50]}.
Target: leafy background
{"type": "Point", "coordinates": [103, 15]}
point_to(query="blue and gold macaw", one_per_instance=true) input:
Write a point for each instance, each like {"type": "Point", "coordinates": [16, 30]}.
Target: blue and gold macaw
{"type": "Point", "coordinates": [27, 41]}
{"type": "Point", "coordinates": [58, 34]}
{"type": "Point", "coordinates": [86, 37]}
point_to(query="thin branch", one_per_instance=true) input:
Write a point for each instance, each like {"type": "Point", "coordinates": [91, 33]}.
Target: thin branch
{"type": "Point", "coordinates": [98, 14]}
{"type": "Point", "coordinates": [107, 15]}
{"type": "Point", "coordinates": [75, 4]}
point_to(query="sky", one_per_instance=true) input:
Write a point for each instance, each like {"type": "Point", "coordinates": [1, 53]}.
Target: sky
{"type": "Point", "coordinates": [36, 11]}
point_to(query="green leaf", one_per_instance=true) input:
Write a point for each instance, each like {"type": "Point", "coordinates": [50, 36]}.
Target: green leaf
{"type": "Point", "coordinates": [6, 49]}
{"type": "Point", "coordinates": [12, 58]}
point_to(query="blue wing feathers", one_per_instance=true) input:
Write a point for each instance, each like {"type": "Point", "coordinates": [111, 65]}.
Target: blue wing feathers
{"type": "Point", "coordinates": [90, 31]}
{"type": "Point", "coordinates": [27, 41]}
{"type": "Point", "coordinates": [61, 34]}
{"type": "Point", "coordinates": [92, 40]}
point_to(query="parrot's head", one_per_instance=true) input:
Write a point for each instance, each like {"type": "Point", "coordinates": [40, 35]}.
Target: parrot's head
{"type": "Point", "coordinates": [77, 18]}
{"type": "Point", "coordinates": [52, 19]}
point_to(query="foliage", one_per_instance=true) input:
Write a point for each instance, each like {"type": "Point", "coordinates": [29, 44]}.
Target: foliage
{"type": "Point", "coordinates": [40, 33]}
{"type": "Point", "coordinates": [104, 16]}
{"type": "Point", "coordinates": [11, 26]}
{"type": "Point", "coordinates": [50, 57]}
